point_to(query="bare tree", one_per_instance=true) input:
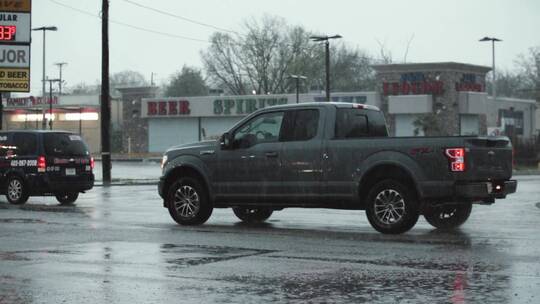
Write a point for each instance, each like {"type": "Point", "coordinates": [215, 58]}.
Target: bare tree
{"type": "Point", "coordinates": [262, 59]}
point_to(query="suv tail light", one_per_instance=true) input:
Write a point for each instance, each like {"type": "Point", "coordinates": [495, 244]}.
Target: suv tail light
{"type": "Point", "coordinates": [92, 163]}
{"type": "Point", "coordinates": [41, 164]}
{"type": "Point", "coordinates": [456, 159]}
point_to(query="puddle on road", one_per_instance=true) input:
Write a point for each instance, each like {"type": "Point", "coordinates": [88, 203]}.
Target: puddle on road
{"type": "Point", "coordinates": [47, 208]}
{"type": "Point", "coordinates": [192, 255]}
{"type": "Point", "coordinates": [538, 205]}
{"type": "Point", "coordinates": [378, 286]}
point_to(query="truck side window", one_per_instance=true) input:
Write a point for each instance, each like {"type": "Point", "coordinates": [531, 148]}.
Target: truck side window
{"type": "Point", "coordinates": [377, 124]}
{"type": "Point", "coordinates": [300, 125]}
{"type": "Point", "coordinates": [261, 129]}
{"type": "Point", "coordinates": [24, 144]}
{"type": "Point", "coordinates": [351, 123]}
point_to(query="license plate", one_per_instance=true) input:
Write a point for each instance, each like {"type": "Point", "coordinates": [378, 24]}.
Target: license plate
{"type": "Point", "coordinates": [71, 171]}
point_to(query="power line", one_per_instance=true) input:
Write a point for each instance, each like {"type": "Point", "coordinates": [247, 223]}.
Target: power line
{"type": "Point", "coordinates": [129, 25]}
{"type": "Point", "coordinates": [179, 17]}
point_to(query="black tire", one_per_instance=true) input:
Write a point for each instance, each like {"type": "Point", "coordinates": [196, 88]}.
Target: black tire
{"type": "Point", "coordinates": [252, 215]}
{"type": "Point", "coordinates": [67, 198]}
{"type": "Point", "coordinates": [188, 202]}
{"type": "Point", "coordinates": [447, 216]}
{"type": "Point", "coordinates": [391, 207]}
{"type": "Point", "coordinates": [16, 192]}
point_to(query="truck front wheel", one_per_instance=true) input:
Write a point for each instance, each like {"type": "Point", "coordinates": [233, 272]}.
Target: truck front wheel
{"type": "Point", "coordinates": [188, 202]}
{"type": "Point", "coordinates": [447, 216]}
{"type": "Point", "coordinates": [391, 207]}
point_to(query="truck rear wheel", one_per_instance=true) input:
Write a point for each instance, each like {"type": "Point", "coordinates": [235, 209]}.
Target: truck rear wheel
{"type": "Point", "coordinates": [391, 208]}
{"type": "Point", "coordinates": [188, 202]}
{"type": "Point", "coordinates": [252, 215]}
{"type": "Point", "coordinates": [448, 216]}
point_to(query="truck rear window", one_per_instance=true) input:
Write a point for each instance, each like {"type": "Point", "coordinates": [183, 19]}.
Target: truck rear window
{"type": "Point", "coordinates": [357, 123]}
{"type": "Point", "coordinates": [64, 144]}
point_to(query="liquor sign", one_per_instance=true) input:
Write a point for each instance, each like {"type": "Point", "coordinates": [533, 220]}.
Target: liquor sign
{"type": "Point", "coordinates": [15, 29]}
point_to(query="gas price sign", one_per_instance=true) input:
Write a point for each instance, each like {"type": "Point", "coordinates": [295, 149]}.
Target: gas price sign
{"type": "Point", "coordinates": [7, 32]}
{"type": "Point", "coordinates": [15, 29]}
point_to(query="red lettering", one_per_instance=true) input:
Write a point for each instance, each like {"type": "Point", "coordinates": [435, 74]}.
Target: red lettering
{"type": "Point", "coordinates": [184, 107]}
{"type": "Point", "coordinates": [395, 88]}
{"type": "Point", "coordinates": [152, 108]}
{"type": "Point", "coordinates": [173, 109]}
{"type": "Point", "coordinates": [405, 88]}
{"type": "Point", "coordinates": [386, 89]}
{"type": "Point", "coordinates": [162, 108]}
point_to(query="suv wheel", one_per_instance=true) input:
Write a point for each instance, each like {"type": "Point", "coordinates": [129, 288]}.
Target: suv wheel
{"type": "Point", "coordinates": [188, 202]}
{"type": "Point", "coordinates": [252, 215]}
{"type": "Point", "coordinates": [448, 216]}
{"type": "Point", "coordinates": [391, 207]}
{"type": "Point", "coordinates": [16, 191]}
{"type": "Point", "coordinates": [67, 198]}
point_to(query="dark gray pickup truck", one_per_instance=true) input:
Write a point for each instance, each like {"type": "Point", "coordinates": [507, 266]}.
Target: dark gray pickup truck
{"type": "Point", "coordinates": [335, 155]}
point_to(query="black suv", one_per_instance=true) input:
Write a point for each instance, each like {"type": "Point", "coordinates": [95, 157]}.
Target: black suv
{"type": "Point", "coordinates": [39, 163]}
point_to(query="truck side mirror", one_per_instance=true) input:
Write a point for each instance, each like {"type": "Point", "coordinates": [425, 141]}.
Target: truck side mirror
{"type": "Point", "coordinates": [225, 141]}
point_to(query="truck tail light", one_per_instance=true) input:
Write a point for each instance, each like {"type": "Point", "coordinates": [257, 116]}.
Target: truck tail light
{"type": "Point", "coordinates": [41, 164]}
{"type": "Point", "coordinates": [456, 159]}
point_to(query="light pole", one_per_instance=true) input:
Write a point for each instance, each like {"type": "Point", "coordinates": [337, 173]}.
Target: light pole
{"type": "Point", "coordinates": [327, 44]}
{"type": "Point", "coordinates": [297, 77]}
{"type": "Point", "coordinates": [44, 29]}
{"type": "Point", "coordinates": [60, 65]}
{"type": "Point", "coordinates": [493, 40]}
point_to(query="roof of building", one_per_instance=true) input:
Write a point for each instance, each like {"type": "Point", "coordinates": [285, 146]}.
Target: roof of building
{"type": "Point", "coordinates": [411, 67]}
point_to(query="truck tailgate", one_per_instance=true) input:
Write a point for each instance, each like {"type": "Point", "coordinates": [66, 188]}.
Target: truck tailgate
{"type": "Point", "coordinates": [489, 158]}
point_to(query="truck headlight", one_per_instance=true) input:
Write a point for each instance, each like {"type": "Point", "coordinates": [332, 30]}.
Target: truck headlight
{"type": "Point", "coordinates": [163, 161]}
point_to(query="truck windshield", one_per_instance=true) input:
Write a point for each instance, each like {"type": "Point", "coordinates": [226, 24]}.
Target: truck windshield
{"type": "Point", "coordinates": [64, 144]}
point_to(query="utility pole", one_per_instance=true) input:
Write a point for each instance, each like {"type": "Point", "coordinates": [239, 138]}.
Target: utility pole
{"type": "Point", "coordinates": [51, 101]}
{"type": "Point", "coordinates": [327, 58]}
{"type": "Point", "coordinates": [60, 65]}
{"type": "Point", "coordinates": [105, 96]}
{"type": "Point", "coordinates": [43, 92]}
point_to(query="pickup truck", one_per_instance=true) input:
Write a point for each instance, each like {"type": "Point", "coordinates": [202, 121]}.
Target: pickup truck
{"type": "Point", "coordinates": [335, 155]}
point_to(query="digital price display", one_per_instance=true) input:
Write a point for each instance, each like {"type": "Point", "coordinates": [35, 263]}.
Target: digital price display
{"type": "Point", "coordinates": [7, 32]}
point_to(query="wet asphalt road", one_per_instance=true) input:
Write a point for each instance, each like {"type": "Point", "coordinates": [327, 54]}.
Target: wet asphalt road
{"type": "Point", "coordinates": [118, 245]}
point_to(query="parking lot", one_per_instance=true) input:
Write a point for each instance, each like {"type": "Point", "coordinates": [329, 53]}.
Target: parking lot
{"type": "Point", "coordinates": [118, 245]}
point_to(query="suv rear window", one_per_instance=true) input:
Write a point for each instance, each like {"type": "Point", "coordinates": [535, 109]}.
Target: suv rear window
{"type": "Point", "coordinates": [64, 144]}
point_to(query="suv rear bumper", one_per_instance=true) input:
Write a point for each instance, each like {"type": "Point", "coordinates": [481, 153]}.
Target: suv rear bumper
{"type": "Point", "coordinates": [40, 184]}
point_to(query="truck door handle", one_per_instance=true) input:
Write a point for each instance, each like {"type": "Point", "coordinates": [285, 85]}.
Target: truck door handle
{"type": "Point", "coordinates": [271, 154]}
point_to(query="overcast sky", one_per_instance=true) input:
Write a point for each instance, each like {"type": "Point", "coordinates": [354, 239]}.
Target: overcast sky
{"type": "Point", "coordinates": [442, 31]}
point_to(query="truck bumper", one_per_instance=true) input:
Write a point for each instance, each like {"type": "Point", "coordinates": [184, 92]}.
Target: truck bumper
{"type": "Point", "coordinates": [485, 190]}
{"type": "Point", "coordinates": [469, 191]}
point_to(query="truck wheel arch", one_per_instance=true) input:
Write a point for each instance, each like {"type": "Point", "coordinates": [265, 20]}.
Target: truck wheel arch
{"type": "Point", "coordinates": [185, 170]}
{"type": "Point", "coordinates": [386, 171]}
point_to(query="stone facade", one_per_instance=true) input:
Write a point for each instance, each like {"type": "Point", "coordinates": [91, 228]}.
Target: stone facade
{"type": "Point", "coordinates": [443, 81]}
{"type": "Point", "coordinates": [135, 128]}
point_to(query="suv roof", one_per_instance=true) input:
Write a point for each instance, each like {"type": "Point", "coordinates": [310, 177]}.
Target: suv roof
{"type": "Point", "coordinates": [35, 131]}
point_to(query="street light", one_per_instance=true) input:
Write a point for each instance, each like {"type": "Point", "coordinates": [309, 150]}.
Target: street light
{"type": "Point", "coordinates": [44, 29]}
{"type": "Point", "coordinates": [327, 44]}
{"type": "Point", "coordinates": [297, 77]}
{"type": "Point", "coordinates": [493, 40]}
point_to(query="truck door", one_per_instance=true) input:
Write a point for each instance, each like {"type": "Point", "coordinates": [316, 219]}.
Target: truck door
{"type": "Point", "coordinates": [251, 169]}
{"type": "Point", "coordinates": [301, 154]}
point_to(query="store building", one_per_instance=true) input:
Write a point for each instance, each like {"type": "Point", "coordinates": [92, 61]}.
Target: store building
{"type": "Point", "coordinates": [75, 113]}
{"type": "Point", "coordinates": [418, 99]}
